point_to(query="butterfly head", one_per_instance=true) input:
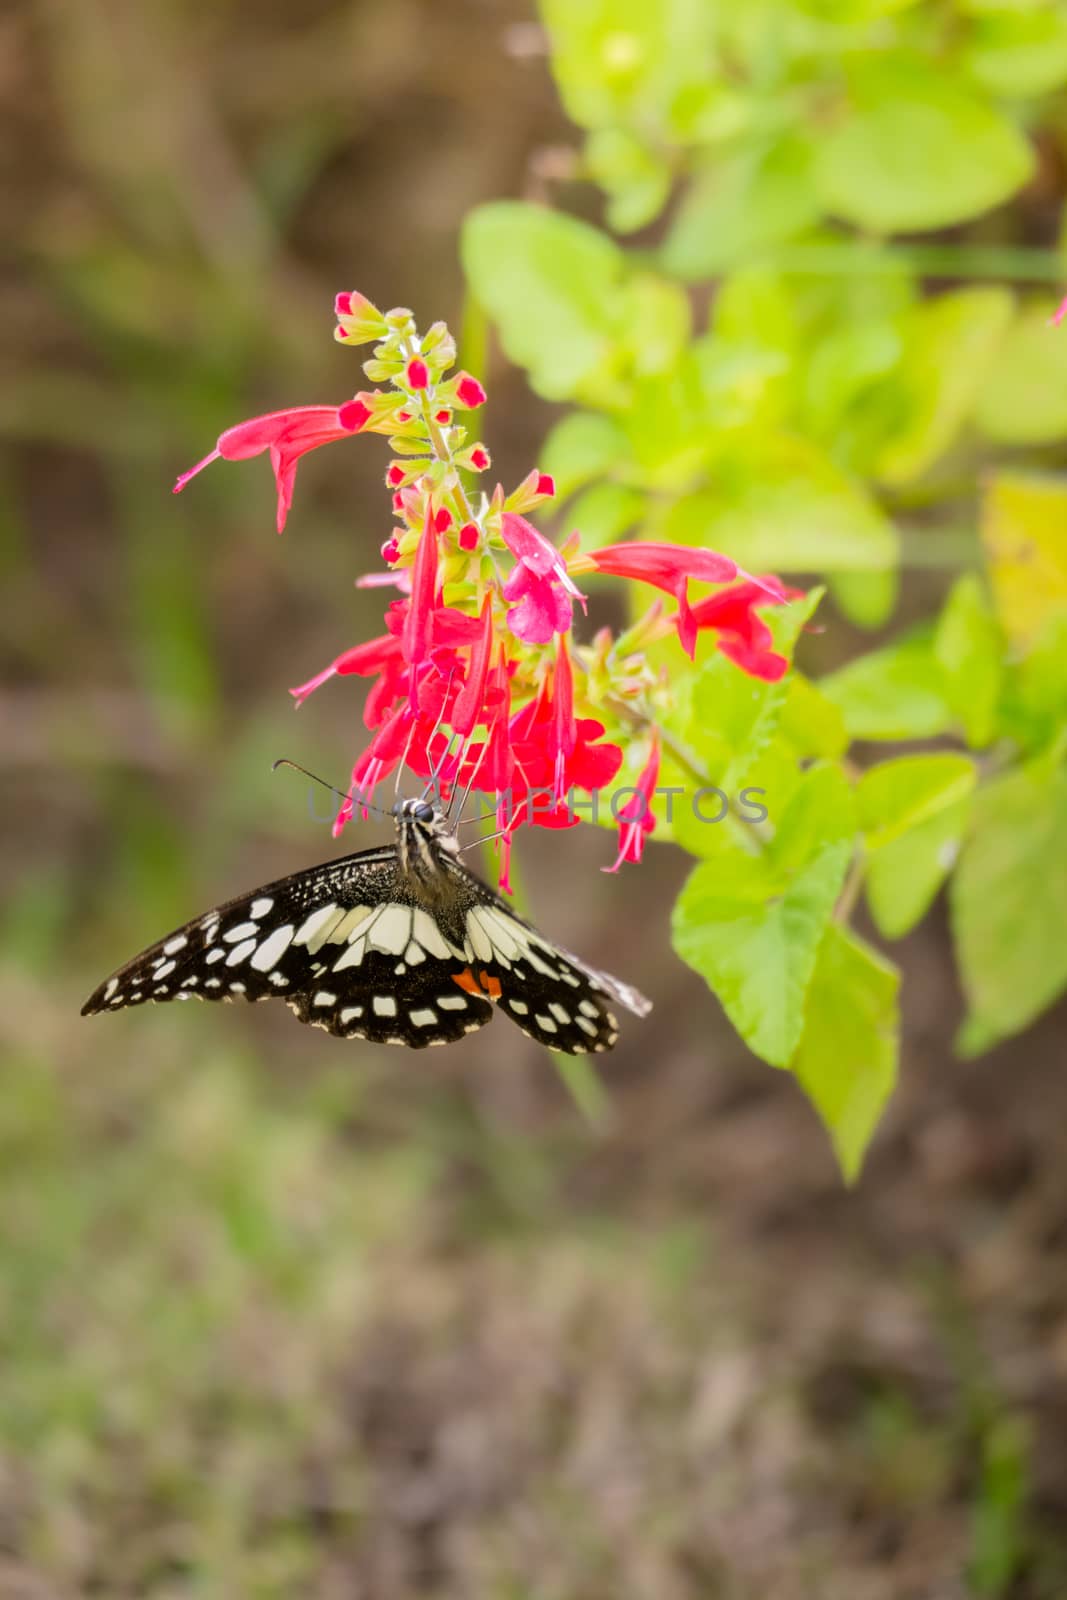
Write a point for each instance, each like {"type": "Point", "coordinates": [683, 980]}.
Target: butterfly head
{"type": "Point", "coordinates": [422, 831]}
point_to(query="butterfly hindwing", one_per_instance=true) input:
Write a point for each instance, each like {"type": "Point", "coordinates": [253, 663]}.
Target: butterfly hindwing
{"type": "Point", "coordinates": [547, 992]}
{"type": "Point", "coordinates": [422, 1006]}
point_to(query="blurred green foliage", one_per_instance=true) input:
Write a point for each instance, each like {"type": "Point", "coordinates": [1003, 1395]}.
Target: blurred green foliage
{"type": "Point", "coordinates": [832, 414]}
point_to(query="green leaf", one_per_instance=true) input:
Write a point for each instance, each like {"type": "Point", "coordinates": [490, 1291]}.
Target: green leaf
{"type": "Point", "coordinates": [623, 61]}
{"type": "Point", "coordinates": [786, 507]}
{"type": "Point", "coordinates": [740, 206]}
{"type": "Point", "coordinates": [1008, 897]}
{"type": "Point", "coordinates": [604, 512]}
{"type": "Point", "coordinates": [916, 150]}
{"type": "Point", "coordinates": [554, 288]}
{"type": "Point", "coordinates": [949, 346]}
{"type": "Point", "coordinates": [969, 649]}
{"type": "Point", "coordinates": [1013, 54]}
{"type": "Point", "coordinates": [893, 693]}
{"type": "Point", "coordinates": [583, 445]}
{"type": "Point", "coordinates": [657, 323]}
{"type": "Point", "coordinates": [752, 927]}
{"type": "Point", "coordinates": [847, 1060]}
{"type": "Point", "coordinates": [1024, 530]}
{"type": "Point", "coordinates": [903, 878]}
{"type": "Point", "coordinates": [1024, 397]}
{"type": "Point", "coordinates": [898, 795]}
{"type": "Point", "coordinates": [812, 723]}
{"type": "Point", "coordinates": [865, 598]}
{"type": "Point", "coordinates": [635, 179]}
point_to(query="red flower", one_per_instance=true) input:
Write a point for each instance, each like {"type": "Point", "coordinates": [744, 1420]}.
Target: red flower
{"type": "Point", "coordinates": [467, 537]}
{"type": "Point", "coordinates": [418, 626]}
{"type": "Point", "coordinates": [377, 655]}
{"type": "Point", "coordinates": [743, 636]}
{"type": "Point", "coordinates": [288, 435]}
{"type": "Point", "coordinates": [635, 818]}
{"type": "Point", "coordinates": [668, 567]}
{"type": "Point", "coordinates": [539, 583]}
{"type": "Point", "coordinates": [478, 456]}
{"type": "Point", "coordinates": [469, 392]}
{"type": "Point", "coordinates": [354, 414]}
{"type": "Point", "coordinates": [418, 374]}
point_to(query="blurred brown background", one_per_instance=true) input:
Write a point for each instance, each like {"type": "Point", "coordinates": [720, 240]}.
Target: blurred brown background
{"type": "Point", "coordinates": [281, 1316]}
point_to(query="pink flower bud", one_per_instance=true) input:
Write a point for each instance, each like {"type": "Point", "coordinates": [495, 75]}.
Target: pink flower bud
{"type": "Point", "coordinates": [342, 305]}
{"type": "Point", "coordinates": [395, 476]}
{"type": "Point", "coordinates": [443, 417]}
{"type": "Point", "coordinates": [469, 391]}
{"type": "Point", "coordinates": [418, 374]}
{"type": "Point", "coordinates": [479, 457]}
{"type": "Point", "coordinates": [390, 551]}
{"type": "Point", "coordinates": [546, 484]}
{"type": "Point", "coordinates": [442, 520]}
{"type": "Point", "coordinates": [398, 502]}
{"type": "Point", "coordinates": [403, 416]}
{"type": "Point", "coordinates": [468, 536]}
{"type": "Point", "coordinates": [354, 415]}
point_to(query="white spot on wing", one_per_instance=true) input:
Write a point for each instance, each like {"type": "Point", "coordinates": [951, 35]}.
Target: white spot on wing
{"type": "Point", "coordinates": [350, 1013]}
{"type": "Point", "coordinates": [558, 1011]}
{"type": "Point", "coordinates": [314, 929]}
{"type": "Point", "coordinates": [240, 952]}
{"type": "Point", "coordinates": [323, 997]}
{"type": "Point", "coordinates": [424, 1017]}
{"type": "Point", "coordinates": [242, 930]}
{"type": "Point", "coordinates": [545, 1023]}
{"type": "Point", "coordinates": [391, 930]}
{"type": "Point", "coordinates": [428, 934]}
{"type": "Point", "coordinates": [384, 1005]}
{"type": "Point", "coordinates": [518, 1006]}
{"type": "Point", "coordinates": [273, 948]}
{"type": "Point", "coordinates": [172, 946]}
{"type": "Point", "coordinates": [164, 971]}
{"type": "Point", "coordinates": [451, 1002]}
{"type": "Point", "coordinates": [260, 907]}
{"type": "Point", "coordinates": [215, 955]}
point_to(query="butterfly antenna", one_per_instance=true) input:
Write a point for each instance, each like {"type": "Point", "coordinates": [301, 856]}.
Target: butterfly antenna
{"type": "Point", "coordinates": [346, 795]}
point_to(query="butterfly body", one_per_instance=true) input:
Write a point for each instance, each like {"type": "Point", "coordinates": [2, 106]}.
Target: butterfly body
{"type": "Point", "coordinates": [398, 945]}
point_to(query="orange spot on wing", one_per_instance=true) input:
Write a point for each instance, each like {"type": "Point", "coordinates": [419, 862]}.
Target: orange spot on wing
{"type": "Point", "coordinates": [468, 981]}
{"type": "Point", "coordinates": [490, 985]}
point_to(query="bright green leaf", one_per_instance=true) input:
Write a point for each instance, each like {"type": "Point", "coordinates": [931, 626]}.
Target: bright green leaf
{"type": "Point", "coordinates": [893, 693]}
{"type": "Point", "coordinates": [583, 445]}
{"type": "Point", "coordinates": [903, 878]}
{"type": "Point", "coordinates": [1008, 897]}
{"type": "Point", "coordinates": [915, 149]}
{"type": "Point", "coordinates": [813, 725]}
{"type": "Point", "coordinates": [1023, 399]}
{"type": "Point", "coordinates": [657, 323]}
{"type": "Point", "coordinates": [847, 1060]}
{"type": "Point", "coordinates": [1012, 53]}
{"type": "Point", "coordinates": [636, 180]}
{"type": "Point", "coordinates": [865, 598]}
{"type": "Point", "coordinates": [553, 286]}
{"type": "Point", "coordinates": [786, 507]}
{"type": "Point", "coordinates": [752, 929]}
{"type": "Point", "coordinates": [757, 956]}
{"type": "Point", "coordinates": [1024, 530]}
{"type": "Point", "coordinates": [949, 346]}
{"type": "Point", "coordinates": [898, 795]}
{"type": "Point", "coordinates": [604, 512]}
{"type": "Point", "coordinates": [969, 648]}
{"type": "Point", "coordinates": [740, 206]}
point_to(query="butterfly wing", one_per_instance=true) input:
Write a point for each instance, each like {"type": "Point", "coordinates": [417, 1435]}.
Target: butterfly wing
{"type": "Point", "coordinates": [548, 992]}
{"type": "Point", "coordinates": [337, 942]}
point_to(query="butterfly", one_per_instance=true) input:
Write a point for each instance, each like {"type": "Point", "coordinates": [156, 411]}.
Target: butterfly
{"type": "Point", "coordinates": [399, 945]}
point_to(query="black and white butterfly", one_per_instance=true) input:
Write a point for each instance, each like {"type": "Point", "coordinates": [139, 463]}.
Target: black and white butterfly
{"type": "Point", "coordinates": [399, 945]}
